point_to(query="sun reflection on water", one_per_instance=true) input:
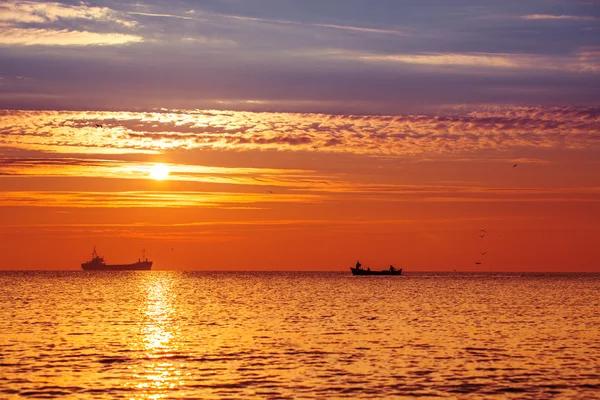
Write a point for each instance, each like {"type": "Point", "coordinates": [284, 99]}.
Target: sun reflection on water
{"type": "Point", "coordinates": [157, 344]}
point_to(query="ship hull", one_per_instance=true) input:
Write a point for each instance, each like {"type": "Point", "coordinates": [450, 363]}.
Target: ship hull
{"type": "Point", "coordinates": [356, 271]}
{"type": "Point", "coordinates": [139, 266]}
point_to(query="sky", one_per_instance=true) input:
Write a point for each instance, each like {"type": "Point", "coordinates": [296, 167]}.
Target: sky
{"type": "Point", "coordinates": [301, 135]}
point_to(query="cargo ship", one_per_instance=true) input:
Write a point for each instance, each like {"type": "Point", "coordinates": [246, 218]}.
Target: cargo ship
{"type": "Point", "coordinates": [97, 264]}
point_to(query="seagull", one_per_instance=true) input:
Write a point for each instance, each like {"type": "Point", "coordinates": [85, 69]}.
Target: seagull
{"type": "Point", "coordinates": [484, 253]}
{"type": "Point", "coordinates": [515, 165]}
{"type": "Point", "coordinates": [477, 263]}
{"type": "Point", "coordinates": [316, 147]}
{"type": "Point", "coordinates": [481, 236]}
{"type": "Point", "coordinates": [483, 230]}
{"type": "Point", "coordinates": [454, 270]}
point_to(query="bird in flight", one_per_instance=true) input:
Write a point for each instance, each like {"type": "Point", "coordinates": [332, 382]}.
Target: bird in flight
{"type": "Point", "coordinates": [481, 236]}
{"type": "Point", "coordinates": [483, 230]}
{"type": "Point", "coordinates": [477, 263]}
{"type": "Point", "coordinates": [454, 270]}
{"type": "Point", "coordinates": [316, 147]}
{"type": "Point", "coordinates": [515, 165]}
{"type": "Point", "coordinates": [270, 191]}
{"type": "Point", "coordinates": [98, 125]}
{"type": "Point", "coordinates": [484, 253]}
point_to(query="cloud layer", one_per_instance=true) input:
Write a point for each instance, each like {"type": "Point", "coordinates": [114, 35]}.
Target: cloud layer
{"type": "Point", "coordinates": [494, 129]}
{"type": "Point", "coordinates": [339, 57]}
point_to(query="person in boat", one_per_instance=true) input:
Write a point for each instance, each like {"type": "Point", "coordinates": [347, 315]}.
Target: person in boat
{"type": "Point", "coordinates": [392, 269]}
{"type": "Point", "coordinates": [358, 265]}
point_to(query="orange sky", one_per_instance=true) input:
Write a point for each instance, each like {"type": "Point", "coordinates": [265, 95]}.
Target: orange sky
{"type": "Point", "coordinates": [301, 135]}
{"type": "Point", "coordinates": [279, 191]}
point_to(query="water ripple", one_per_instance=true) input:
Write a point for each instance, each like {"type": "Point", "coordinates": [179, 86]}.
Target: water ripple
{"type": "Point", "coordinates": [298, 335]}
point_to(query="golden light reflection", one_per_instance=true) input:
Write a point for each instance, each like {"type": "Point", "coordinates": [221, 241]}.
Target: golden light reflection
{"type": "Point", "coordinates": [158, 346]}
{"type": "Point", "coordinates": [157, 329]}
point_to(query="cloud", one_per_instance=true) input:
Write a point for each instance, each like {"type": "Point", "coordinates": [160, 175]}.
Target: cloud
{"type": "Point", "coordinates": [455, 59]}
{"type": "Point", "coordinates": [231, 200]}
{"type": "Point", "coordinates": [42, 12]}
{"type": "Point", "coordinates": [579, 61]}
{"type": "Point", "coordinates": [468, 133]}
{"type": "Point", "coordinates": [47, 37]}
{"type": "Point", "coordinates": [163, 15]}
{"type": "Point", "coordinates": [223, 230]}
{"type": "Point", "coordinates": [560, 17]}
{"type": "Point", "coordinates": [315, 25]}
{"type": "Point", "coordinates": [363, 29]}
{"type": "Point", "coordinates": [17, 18]}
{"type": "Point", "coordinates": [117, 169]}
{"type": "Point", "coordinates": [589, 58]}
{"type": "Point", "coordinates": [180, 199]}
{"type": "Point", "coordinates": [205, 40]}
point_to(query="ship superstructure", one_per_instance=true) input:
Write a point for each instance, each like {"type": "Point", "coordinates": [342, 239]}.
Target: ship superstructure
{"type": "Point", "coordinates": [97, 263]}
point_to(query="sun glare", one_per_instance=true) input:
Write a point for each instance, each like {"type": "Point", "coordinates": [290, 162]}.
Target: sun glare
{"type": "Point", "coordinates": [159, 172]}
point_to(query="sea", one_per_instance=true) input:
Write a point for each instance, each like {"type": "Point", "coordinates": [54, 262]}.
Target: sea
{"type": "Point", "coordinates": [298, 335]}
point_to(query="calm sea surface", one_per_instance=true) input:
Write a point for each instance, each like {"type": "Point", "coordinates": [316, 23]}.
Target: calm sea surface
{"type": "Point", "coordinates": [298, 335]}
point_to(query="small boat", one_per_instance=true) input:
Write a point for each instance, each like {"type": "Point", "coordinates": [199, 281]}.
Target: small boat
{"type": "Point", "coordinates": [360, 271]}
{"type": "Point", "coordinates": [97, 264]}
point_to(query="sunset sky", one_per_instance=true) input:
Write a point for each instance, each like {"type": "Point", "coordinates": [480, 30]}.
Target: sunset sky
{"type": "Point", "coordinates": [301, 135]}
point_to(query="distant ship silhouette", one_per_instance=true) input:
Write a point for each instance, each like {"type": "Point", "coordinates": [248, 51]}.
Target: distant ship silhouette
{"type": "Point", "coordinates": [97, 264]}
{"type": "Point", "coordinates": [358, 270]}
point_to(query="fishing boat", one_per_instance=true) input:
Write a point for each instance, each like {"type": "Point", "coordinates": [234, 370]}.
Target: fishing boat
{"type": "Point", "coordinates": [358, 270]}
{"type": "Point", "coordinates": [97, 264]}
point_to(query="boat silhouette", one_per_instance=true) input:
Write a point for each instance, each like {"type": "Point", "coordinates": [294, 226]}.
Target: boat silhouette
{"type": "Point", "coordinates": [360, 271]}
{"type": "Point", "coordinates": [97, 264]}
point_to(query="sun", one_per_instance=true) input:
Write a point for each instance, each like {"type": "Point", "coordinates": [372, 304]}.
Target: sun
{"type": "Point", "coordinates": [159, 172]}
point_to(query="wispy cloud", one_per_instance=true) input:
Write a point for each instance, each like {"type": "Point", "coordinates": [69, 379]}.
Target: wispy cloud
{"type": "Point", "coordinates": [164, 15]}
{"type": "Point", "coordinates": [180, 199]}
{"type": "Point", "coordinates": [240, 229]}
{"type": "Point", "coordinates": [362, 29]}
{"type": "Point", "coordinates": [457, 59]}
{"type": "Point", "coordinates": [468, 62]}
{"type": "Point", "coordinates": [47, 37]}
{"type": "Point", "coordinates": [44, 12]}
{"type": "Point", "coordinates": [231, 200]}
{"type": "Point", "coordinates": [116, 169]}
{"type": "Point", "coordinates": [589, 58]}
{"type": "Point", "coordinates": [205, 40]}
{"type": "Point", "coordinates": [193, 15]}
{"type": "Point", "coordinates": [17, 17]}
{"type": "Point", "coordinates": [560, 17]}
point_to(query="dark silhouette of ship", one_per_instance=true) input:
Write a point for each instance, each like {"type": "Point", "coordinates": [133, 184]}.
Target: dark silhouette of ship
{"type": "Point", "coordinates": [97, 264]}
{"type": "Point", "coordinates": [361, 271]}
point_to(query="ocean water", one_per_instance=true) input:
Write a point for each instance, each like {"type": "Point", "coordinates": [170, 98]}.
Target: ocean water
{"type": "Point", "coordinates": [298, 335]}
